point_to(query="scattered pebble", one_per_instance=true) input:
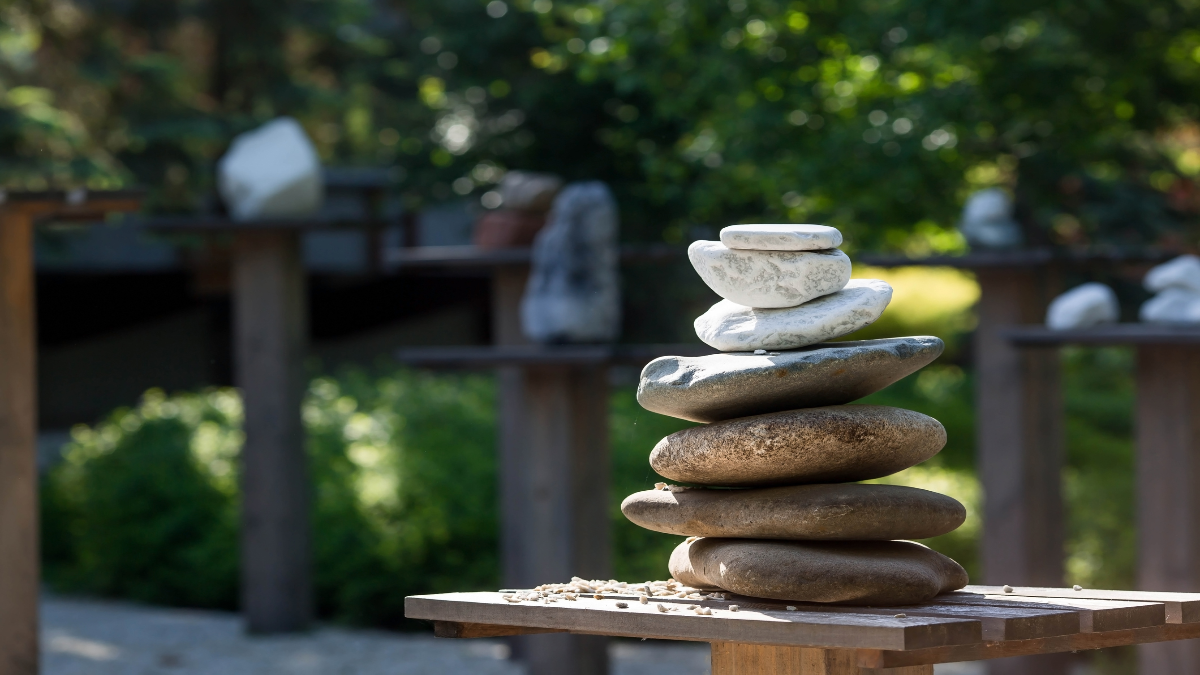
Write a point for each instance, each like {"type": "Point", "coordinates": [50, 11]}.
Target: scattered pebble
{"type": "Point", "coordinates": [645, 600]}
{"type": "Point", "coordinates": [1008, 589]}
{"type": "Point", "coordinates": [1077, 587]}
{"type": "Point", "coordinates": [690, 607]}
{"type": "Point", "coordinates": [660, 486]}
{"type": "Point", "coordinates": [598, 596]}
{"type": "Point", "coordinates": [791, 608]}
{"type": "Point", "coordinates": [704, 611]}
{"type": "Point", "coordinates": [759, 352]}
{"type": "Point", "coordinates": [662, 607]}
{"type": "Point", "coordinates": [569, 596]}
{"type": "Point", "coordinates": [901, 616]}
{"type": "Point", "coordinates": [734, 608]}
{"type": "Point", "coordinates": [622, 605]}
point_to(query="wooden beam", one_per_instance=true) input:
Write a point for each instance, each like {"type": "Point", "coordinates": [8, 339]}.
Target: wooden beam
{"type": "Point", "coordinates": [19, 575]}
{"type": "Point", "coordinates": [270, 331]}
{"type": "Point", "coordinates": [455, 629]}
{"type": "Point", "coordinates": [1168, 476]}
{"type": "Point", "coordinates": [735, 658]}
{"type": "Point", "coordinates": [1018, 443]}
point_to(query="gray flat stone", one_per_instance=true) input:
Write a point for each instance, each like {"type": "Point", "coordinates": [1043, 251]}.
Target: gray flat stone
{"type": "Point", "coordinates": [832, 444]}
{"type": "Point", "coordinates": [724, 386]}
{"type": "Point", "coordinates": [781, 237]}
{"type": "Point", "coordinates": [731, 327]}
{"type": "Point", "coordinates": [845, 572]}
{"type": "Point", "coordinates": [840, 512]}
{"type": "Point", "coordinates": [769, 278]}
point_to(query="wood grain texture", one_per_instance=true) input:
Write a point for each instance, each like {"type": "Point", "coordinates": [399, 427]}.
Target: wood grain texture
{"type": "Point", "coordinates": [733, 658]}
{"type": "Point", "coordinates": [270, 330]}
{"type": "Point", "coordinates": [454, 629]}
{"type": "Point", "coordinates": [19, 576]}
{"type": "Point", "coordinates": [1180, 607]}
{"type": "Point", "coordinates": [1168, 473]}
{"type": "Point", "coordinates": [1095, 616]}
{"type": "Point", "coordinates": [603, 617]}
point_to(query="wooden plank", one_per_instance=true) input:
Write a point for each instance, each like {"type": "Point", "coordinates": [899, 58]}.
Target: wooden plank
{"type": "Point", "coordinates": [872, 658]}
{"type": "Point", "coordinates": [603, 617]}
{"type": "Point", "coordinates": [1181, 607]}
{"type": "Point", "coordinates": [19, 576]}
{"type": "Point", "coordinates": [733, 658]}
{"type": "Point", "coordinates": [455, 629]}
{"type": "Point", "coordinates": [1167, 432]}
{"type": "Point", "coordinates": [1095, 616]}
{"type": "Point", "coordinates": [270, 330]}
{"type": "Point", "coordinates": [1111, 334]}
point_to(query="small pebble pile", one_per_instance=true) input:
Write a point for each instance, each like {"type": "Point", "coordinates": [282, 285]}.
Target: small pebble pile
{"type": "Point", "coordinates": [795, 526]}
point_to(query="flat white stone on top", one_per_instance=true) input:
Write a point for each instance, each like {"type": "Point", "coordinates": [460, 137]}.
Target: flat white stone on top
{"type": "Point", "coordinates": [731, 327]}
{"type": "Point", "coordinates": [769, 279]}
{"type": "Point", "coordinates": [1082, 307]}
{"type": "Point", "coordinates": [1182, 272]}
{"type": "Point", "coordinates": [781, 237]}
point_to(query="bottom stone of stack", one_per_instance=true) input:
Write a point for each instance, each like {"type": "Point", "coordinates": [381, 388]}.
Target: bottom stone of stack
{"type": "Point", "coordinates": [844, 572]}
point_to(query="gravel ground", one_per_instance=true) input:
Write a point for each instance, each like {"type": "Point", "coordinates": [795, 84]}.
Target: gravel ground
{"type": "Point", "coordinates": [86, 637]}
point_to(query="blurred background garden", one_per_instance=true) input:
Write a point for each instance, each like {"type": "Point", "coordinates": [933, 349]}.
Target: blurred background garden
{"type": "Point", "coordinates": [879, 117]}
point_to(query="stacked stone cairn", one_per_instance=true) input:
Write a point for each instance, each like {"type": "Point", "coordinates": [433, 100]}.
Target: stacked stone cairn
{"type": "Point", "coordinates": [772, 509]}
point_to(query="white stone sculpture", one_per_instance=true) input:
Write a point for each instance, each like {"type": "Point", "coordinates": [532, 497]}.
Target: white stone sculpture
{"type": "Point", "coordinates": [573, 293]}
{"type": "Point", "coordinates": [1082, 307]}
{"type": "Point", "coordinates": [528, 191]}
{"type": "Point", "coordinates": [1182, 272]}
{"type": "Point", "coordinates": [271, 172]}
{"type": "Point", "coordinates": [769, 279]}
{"type": "Point", "coordinates": [1173, 305]}
{"type": "Point", "coordinates": [987, 220]}
{"type": "Point", "coordinates": [781, 237]}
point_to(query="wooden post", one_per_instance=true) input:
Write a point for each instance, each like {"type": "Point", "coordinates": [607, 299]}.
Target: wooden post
{"type": "Point", "coordinates": [19, 576]}
{"type": "Point", "coordinates": [270, 331]}
{"type": "Point", "coordinates": [554, 480]}
{"type": "Point", "coordinates": [1168, 481]}
{"type": "Point", "coordinates": [1019, 445]}
{"type": "Point", "coordinates": [739, 658]}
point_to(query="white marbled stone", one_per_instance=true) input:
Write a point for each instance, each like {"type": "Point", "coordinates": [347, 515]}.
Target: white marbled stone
{"type": "Point", "coordinates": [271, 172]}
{"type": "Point", "coordinates": [769, 279]}
{"type": "Point", "coordinates": [1173, 305]}
{"type": "Point", "coordinates": [1083, 306]}
{"type": "Point", "coordinates": [781, 237]}
{"type": "Point", "coordinates": [1182, 272]}
{"type": "Point", "coordinates": [730, 327]}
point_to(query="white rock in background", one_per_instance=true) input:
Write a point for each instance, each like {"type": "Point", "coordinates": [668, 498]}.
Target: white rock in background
{"type": "Point", "coordinates": [1181, 272]}
{"type": "Point", "coordinates": [528, 191]}
{"type": "Point", "coordinates": [1083, 306]}
{"type": "Point", "coordinates": [1173, 305]}
{"type": "Point", "coordinates": [987, 220]}
{"type": "Point", "coordinates": [769, 279]}
{"type": "Point", "coordinates": [781, 237]}
{"type": "Point", "coordinates": [271, 172]}
{"type": "Point", "coordinates": [730, 327]}
{"type": "Point", "coordinates": [573, 293]}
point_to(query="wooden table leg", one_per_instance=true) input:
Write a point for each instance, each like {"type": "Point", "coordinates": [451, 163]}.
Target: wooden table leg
{"type": "Point", "coordinates": [1168, 481]}
{"type": "Point", "coordinates": [738, 658]}
{"type": "Point", "coordinates": [1019, 444]}
{"type": "Point", "coordinates": [270, 331]}
{"type": "Point", "coordinates": [18, 437]}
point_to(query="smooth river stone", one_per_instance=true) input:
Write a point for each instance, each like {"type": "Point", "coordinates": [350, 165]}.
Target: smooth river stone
{"type": "Point", "coordinates": [781, 237]}
{"type": "Point", "coordinates": [843, 572]}
{"type": "Point", "coordinates": [769, 279]}
{"type": "Point", "coordinates": [730, 327]}
{"type": "Point", "coordinates": [833, 444]}
{"type": "Point", "coordinates": [724, 386]}
{"type": "Point", "coordinates": [845, 512]}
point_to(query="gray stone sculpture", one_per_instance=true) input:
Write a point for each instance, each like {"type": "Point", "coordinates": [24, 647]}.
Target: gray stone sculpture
{"type": "Point", "coordinates": [271, 172]}
{"type": "Point", "coordinates": [574, 293]}
{"type": "Point", "coordinates": [987, 221]}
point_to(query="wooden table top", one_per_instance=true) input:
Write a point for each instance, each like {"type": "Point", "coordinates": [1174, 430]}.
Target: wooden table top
{"type": "Point", "coordinates": [979, 622]}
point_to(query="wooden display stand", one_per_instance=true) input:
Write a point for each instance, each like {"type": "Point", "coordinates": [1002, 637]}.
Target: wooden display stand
{"type": "Point", "coordinates": [19, 574]}
{"type": "Point", "coordinates": [764, 637]}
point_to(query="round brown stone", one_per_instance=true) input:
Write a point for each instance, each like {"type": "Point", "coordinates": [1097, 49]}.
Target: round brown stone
{"type": "Point", "coordinates": [833, 444]}
{"type": "Point", "coordinates": [845, 572]}
{"type": "Point", "coordinates": [847, 512]}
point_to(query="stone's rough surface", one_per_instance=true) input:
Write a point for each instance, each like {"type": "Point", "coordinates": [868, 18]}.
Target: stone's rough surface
{"type": "Point", "coordinates": [1172, 305]}
{"type": "Point", "coordinates": [781, 237]}
{"type": "Point", "coordinates": [847, 512]}
{"type": "Point", "coordinates": [573, 293]}
{"type": "Point", "coordinates": [987, 220]}
{"type": "Point", "coordinates": [1182, 272]}
{"type": "Point", "coordinates": [769, 279]}
{"type": "Point", "coordinates": [731, 327]}
{"type": "Point", "coordinates": [833, 444]}
{"type": "Point", "coordinates": [680, 566]}
{"type": "Point", "coordinates": [850, 573]}
{"type": "Point", "coordinates": [1083, 306]}
{"type": "Point", "coordinates": [724, 386]}
{"type": "Point", "coordinates": [271, 172]}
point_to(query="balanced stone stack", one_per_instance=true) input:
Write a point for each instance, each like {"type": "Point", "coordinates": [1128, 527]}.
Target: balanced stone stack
{"type": "Point", "coordinates": [772, 509]}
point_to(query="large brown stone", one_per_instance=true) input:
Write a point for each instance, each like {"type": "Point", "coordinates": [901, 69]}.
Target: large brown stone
{"type": "Point", "coordinates": [843, 512]}
{"type": "Point", "coordinates": [844, 572]}
{"type": "Point", "coordinates": [833, 444]}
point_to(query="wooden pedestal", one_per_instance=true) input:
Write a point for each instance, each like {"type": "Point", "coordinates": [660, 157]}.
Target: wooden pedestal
{"type": "Point", "coordinates": [270, 329]}
{"type": "Point", "coordinates": [739, 658]}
